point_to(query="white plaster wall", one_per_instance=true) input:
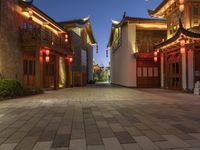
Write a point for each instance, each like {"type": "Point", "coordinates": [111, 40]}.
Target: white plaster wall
{"type": "Point", "coordinates": [123, 63]}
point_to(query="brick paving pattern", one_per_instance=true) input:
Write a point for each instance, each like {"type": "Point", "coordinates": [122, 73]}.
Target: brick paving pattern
{"type": "Point", "coordinates": [101, 118]}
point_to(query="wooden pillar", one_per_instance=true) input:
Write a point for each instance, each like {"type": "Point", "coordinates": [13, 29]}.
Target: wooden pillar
{"type": "Point", "coordinates": [184, 70]}
{"type": "Point", "coordinates": [190, 70]}
{"type": "Point", "coordinates": [162, 69]}
{"type": "Point", "coordinates": [56, 78]}
{"type": "Point", "coordinates": [38, 69]}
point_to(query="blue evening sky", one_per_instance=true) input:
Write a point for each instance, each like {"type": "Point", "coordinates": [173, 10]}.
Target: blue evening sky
{"type": "Point", "coordinates": [101, 13]}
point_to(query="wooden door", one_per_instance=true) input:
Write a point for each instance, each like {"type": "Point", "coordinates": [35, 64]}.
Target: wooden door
{"type": "Point", "coordinates": [148, 74]}
{"type": "Point", "coordinates": [197, 66]}
{"type": "Point", "coordinates": [49, 74]}
{"type": "Point", "coordinates": [174, 71]}
{"type": "Point", "coordinates": [29, 69]}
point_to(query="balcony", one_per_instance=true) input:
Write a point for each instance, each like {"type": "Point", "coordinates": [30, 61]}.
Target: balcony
{"type": "Point", "coordinates": [41, 37]}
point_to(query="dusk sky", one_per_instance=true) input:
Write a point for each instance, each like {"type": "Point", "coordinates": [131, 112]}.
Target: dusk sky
{"type": "Point", "coordinates": [101, 13]}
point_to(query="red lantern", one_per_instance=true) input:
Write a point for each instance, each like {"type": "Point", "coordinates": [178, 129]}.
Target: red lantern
{"type": "Point", "coordinates": [155, 53]}
{"type": "Point", "coordinates": [181, 7]}
{"type": "Point", "coordinates": [47, 58]}
{"type": "Point", "coordinates": [30, 12]}
{"type": "Point", "coordinates": [182, 42]}
{"type": "Point", "coordinates": [183, 50]}
{"type": "Point", "coordinates": [181, 1]}
{"type": "Point", "coordinates": [70, 59]}
{"type": "Point", "coordinates": [155, 59]}
{"type": "Point", "coordinates": [66, 38]}
{"type": "Point", "coordinates": [47, 52]}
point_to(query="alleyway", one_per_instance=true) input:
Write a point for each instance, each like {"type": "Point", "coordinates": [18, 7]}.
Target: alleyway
{"type": "Point", "coordinates": [101, 117]}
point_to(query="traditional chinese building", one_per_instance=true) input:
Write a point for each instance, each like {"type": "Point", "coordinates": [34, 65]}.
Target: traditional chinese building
{"type": "Point", "coordinates": [131, 47]}
{"type": "Point", "coordinates": [180, 53]}
{"type": "Point", "coordinates": [34, 49]}
{"type": "Point", "coordinates": [83, 41]}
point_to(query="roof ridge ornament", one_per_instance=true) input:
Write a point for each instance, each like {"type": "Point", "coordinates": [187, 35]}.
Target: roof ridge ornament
{"type": "Point", "coordinates": [27, 1]}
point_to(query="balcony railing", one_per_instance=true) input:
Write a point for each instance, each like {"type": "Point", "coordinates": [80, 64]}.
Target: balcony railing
{"type": "Point", "coordinates": [42, 37]}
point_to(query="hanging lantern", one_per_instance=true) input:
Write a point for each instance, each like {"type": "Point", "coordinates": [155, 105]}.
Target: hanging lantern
{"type": "Point", "coordinates": [155, 53]}
{"type": "Point", "coordinates": [66, 38]}
{"type": "Point", "coordinates": [47, 58]}
{"type": "Point", "coordinates": [107, 53]}
{"type": "Point", "coordinates": [182, 50]}
{"type": "Point", "coordinates": [70, 59]}
{"type": "Point", "coordinates": [181, 7]}
{"type": "Point", "coordinates": [47, 52]}
{"type": "Point", "coordinates": [97, 49]}
{"type": "Point", "coordinates": [30, 12]}
{"type": "Point", "coordinates": [181, 1]}
{"type": "Point", "coordinates": [182, 42]}
{"type": "Point", "coordinates": [155, 59]}
{"type": "Point", "coordinates": [41, 55]}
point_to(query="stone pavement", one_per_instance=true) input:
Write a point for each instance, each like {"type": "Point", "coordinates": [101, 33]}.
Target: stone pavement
{"type": "Point", "coordinates": [101, 118]}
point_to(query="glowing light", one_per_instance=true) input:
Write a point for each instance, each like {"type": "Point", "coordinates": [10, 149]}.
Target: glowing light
{"type": "Point", "coordinates": [181, 7]}
{"type": "Point", "coordinates": [30, 12]}
{"type": "Point", "coordinates": [182, 42]}
{"type": "Point", "coordinates": [155, 53]}
{"type": "Point", "coordinates": [181, 1]}
{"type": "Point", "coordinates": [182, 50]}
{"type": "Point", "coordinates": [155, 59]}
{"type": "Point", "coordinates": [69, 58]}
{"type": "Point", "coordinates": [47, 52]}
{"type": "Point", "coordinates": [47, 58]}
{"type": "Point", "coordinates": [66, 38]}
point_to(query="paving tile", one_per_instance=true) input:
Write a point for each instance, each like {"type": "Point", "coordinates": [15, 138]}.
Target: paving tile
{"type": "Point", "coordinates": [42, 146]}
{"type": "Point", "coordinates": [195, 143]}
{"type": "Point", "coordinates": [93, 139]}
{"type": "Point", "coordinates": [132, 146]}
{"type": "Point", "coordinates": [124, 137]}
{"type": "Point", "coordinates": [177, 142]}
{"type": "Point", "coordinates": [27, 143]}
{"type": "Point", "coordinates": [116, 127]}
{"type": "Point", "coordinates": [78, 144]}
{"type": "Point", "coordinates": [145, 143]}
{"type": "Point", "coordinates": [8, 146]}
{"type": "Point", "coordinates": [100, 114]}
{"type": "Point", "coordinates": [195, 135]}
{"type": "Point", "coordinates": [153, 135]}
{"type": "Point", "coordinates": [112, 144]}
{"type": "Point", "coordinates": [134, 131]}
{"type": "Point", "coordinates": [61, 141]}
{"type": "Point", "coordinates": [106, 132]}
{"type": "Point", "coordinates": [165, 145]}
{"type": "Point", "coordinates": [96, 147]}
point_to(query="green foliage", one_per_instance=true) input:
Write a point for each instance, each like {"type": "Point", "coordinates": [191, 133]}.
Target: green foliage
{"type": "Point", "coordinates": [10, 88]}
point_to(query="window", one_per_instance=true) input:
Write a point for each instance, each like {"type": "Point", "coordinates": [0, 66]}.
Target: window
{"type": "Point", "coordinates": [196, 11]}
{"type": "Point", "coordinates": [156, 74]}
{"type": "Point", "coordinates": [150, 72]}
{"type": "Point", "coordinates": [29, 67]}
{"type": "Point", "coordinates": [139, 72]}
{"type": "Point", "coordinates": [145, 72]}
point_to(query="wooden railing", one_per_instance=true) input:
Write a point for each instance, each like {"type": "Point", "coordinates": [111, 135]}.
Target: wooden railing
{"type": "Point", "coordinates": [43, 36]}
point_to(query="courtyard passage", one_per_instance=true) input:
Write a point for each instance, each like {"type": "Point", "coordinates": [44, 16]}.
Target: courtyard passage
{"type": "Point", "coordinates": [101, 117]}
